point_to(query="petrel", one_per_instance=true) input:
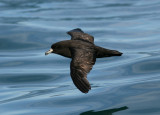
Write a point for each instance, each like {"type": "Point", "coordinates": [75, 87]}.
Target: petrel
{"type": "Point", "coordinates": [83, 52]}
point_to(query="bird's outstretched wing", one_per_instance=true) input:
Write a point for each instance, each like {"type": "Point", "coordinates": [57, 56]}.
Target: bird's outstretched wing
{"type": "Point", "coordinates": [81, 64]}
{"type": "Point", "coordinates": [78, 34]}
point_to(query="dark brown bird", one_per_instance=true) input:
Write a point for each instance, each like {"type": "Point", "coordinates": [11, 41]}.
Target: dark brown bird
{"type": "Point", "coordinates": [83, 52]}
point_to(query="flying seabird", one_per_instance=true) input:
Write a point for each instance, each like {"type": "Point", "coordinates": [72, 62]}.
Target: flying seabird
{"type": "Point", "coordinates": [83, 52]}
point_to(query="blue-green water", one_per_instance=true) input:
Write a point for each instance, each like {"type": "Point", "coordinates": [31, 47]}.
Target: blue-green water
{"type": "Point", "coordinates": [34, 84]}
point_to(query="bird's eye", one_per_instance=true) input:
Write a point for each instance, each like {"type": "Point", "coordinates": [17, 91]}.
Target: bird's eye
{"type": "Point", "coordinates": [56, 47]}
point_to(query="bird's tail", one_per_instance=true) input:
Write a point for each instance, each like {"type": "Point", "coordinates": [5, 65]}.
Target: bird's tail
{"type": "Point", "coordinates": [102, 52]}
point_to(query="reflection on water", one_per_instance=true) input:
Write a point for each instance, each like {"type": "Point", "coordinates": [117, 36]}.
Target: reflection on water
{"type": "Point", "coordinates": [104, 112]}
{"type": "Point", "coordinates": [32, 83]}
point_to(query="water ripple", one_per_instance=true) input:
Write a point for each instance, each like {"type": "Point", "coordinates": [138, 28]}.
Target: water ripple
{"type": "Point", "coordinates": [32, 83]}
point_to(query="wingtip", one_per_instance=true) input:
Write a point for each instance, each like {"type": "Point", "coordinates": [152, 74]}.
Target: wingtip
{"type": "Point", "coordinates": [75, 30]}
{"type": "Point", "coordinates": [79, 29]}
{"type": "Point", "coordinates": [85, 92]}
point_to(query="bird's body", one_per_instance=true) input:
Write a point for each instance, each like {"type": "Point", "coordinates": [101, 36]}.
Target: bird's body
{"type": "Point", "coordinates": [64, 47]}
{"type": "Point", "coordinates": [83, 52]}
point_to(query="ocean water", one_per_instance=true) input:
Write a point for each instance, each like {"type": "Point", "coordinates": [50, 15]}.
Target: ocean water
{"type": "Point", "coordinates": [34, 84]}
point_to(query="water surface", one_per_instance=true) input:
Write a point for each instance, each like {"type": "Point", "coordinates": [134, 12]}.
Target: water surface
{"type": "Point", "coordinates": [34, 84]}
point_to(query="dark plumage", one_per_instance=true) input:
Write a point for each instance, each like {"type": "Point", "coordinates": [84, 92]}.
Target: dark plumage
{"type": "Point", "coordinates": [83, 52]}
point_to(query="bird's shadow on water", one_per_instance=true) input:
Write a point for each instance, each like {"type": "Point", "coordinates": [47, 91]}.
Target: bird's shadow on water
{"type": "Point", "coordinates": [104, 112]}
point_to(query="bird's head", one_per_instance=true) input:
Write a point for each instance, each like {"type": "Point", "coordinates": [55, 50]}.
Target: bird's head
{"type": "Point", "coordinates": [55, 48]}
